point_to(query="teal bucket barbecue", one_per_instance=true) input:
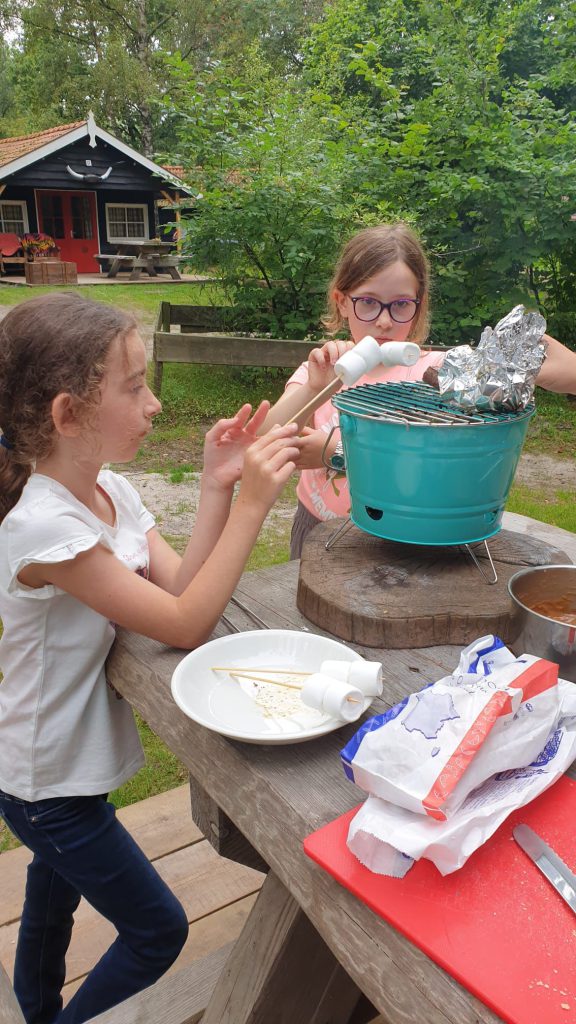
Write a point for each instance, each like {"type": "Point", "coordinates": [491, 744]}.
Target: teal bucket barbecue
{"type": "Point", "coordinates": [421, 471]}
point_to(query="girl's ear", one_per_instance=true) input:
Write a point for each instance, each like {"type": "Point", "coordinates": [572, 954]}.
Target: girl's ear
{"type": "Point", "coordinates": [341, 301]}
{"type": "Point", "coordinates": [65, 415]}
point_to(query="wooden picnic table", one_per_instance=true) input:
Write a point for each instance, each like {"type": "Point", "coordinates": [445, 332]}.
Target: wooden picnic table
{"type": "Point", "coordinates": [150, 256]}
{"type": "Point", "coordinates": [310, 948]}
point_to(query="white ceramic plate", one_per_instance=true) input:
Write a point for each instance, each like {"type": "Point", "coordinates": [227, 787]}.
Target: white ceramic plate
{"type": "Point", "coordinates": [256, 713]}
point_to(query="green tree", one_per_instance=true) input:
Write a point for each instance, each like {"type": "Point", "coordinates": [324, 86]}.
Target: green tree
{"type": "Point", "coordinates": [271, 212]}
{"type": "Point", "coordinates": [450, 124]}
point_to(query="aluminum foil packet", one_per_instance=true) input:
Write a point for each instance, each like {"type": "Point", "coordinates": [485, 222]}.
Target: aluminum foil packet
{"type": "Point", "coordinates": [498, 375]}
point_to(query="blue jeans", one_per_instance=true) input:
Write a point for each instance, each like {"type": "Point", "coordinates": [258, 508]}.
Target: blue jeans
{"type": "Point", "coordinates": [81, 849]}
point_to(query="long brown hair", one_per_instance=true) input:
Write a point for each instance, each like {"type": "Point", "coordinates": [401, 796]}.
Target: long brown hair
{"type": "Point", "coordinates": [48, 345]}
{"type": "Point", "coordinates": [369, 252]}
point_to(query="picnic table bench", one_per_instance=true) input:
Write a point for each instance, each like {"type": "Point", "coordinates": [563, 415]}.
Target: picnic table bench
{"type": "Point", "coordinates": [153, 258]}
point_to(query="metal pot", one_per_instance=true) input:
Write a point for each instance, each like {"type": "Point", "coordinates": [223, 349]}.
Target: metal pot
{"type": "Point", "coordinates": [535, 633]}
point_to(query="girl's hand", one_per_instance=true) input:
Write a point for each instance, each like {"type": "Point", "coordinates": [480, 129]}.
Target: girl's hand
{"type": "Point", "coordinates": [311, 447]}
{"type": "Point", "coordinates": [268, 465]}
{"type": "Point", "coordinates": [227, 442]}
{"type": "Point", "coordinates": [321, 363]}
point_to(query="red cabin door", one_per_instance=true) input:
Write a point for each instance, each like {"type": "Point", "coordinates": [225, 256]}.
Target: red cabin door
{"type": "Point", "coordinates": [70, 218]}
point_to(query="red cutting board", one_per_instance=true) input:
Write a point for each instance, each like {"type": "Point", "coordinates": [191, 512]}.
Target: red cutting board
{"type": "Point", "coordinates": [496, 925]}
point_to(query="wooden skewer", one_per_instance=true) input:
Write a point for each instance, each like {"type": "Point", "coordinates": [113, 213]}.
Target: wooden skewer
{"type": "Point", "coordinates": [270, 671]}
{"type": "Point", "coordinates": [264, 679]}
{"type": "Point", "coordinates": [303, 415]}
{"type": "Point", "coordinates": [276, 682]}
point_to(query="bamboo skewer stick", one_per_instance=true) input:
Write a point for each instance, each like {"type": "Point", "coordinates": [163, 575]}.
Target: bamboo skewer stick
{"type": "Point", "coordinates": [276, 682]}
{"type": "Point", "coordinates": [264, 679]}
{"type": "Point", "coordinates": [270, 671]}
{"type": "Point", "coordinates": [303, 415]}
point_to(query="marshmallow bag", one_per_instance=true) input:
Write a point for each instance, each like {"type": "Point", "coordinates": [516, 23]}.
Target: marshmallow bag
{"type": "Point", "coordinates": [448, 764]}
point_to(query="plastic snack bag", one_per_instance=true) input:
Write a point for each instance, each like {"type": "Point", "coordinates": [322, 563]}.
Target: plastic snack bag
{"type": "Point", "coordinates": [426, 754]}
{"type": "Point", "coordinates": [388, 839]}
{"type": "Point", "coordinates": [447, 765]}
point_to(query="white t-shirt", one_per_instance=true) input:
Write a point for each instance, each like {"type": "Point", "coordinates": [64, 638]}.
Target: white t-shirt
{"type": "Point", "coordinates": [63, 730]}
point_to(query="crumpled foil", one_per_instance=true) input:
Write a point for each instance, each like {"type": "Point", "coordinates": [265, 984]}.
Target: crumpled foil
{"type": "Point", "coordinates": [500, 373]}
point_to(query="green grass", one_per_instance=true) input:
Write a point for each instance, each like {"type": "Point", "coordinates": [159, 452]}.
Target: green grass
{"type": "Point", "coordinates": [555, 507]}
{"type": "Point", "coordinates": [552, 430]}
{"type": "Point", "coordinates": [141, 299]}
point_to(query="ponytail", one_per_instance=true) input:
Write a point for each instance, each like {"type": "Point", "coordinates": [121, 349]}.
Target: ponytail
{"type": "Point", "coordinates": [13, 476]}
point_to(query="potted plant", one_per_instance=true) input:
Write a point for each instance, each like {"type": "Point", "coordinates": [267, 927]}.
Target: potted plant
{"type": "Point", "coordinates": [37, 245]}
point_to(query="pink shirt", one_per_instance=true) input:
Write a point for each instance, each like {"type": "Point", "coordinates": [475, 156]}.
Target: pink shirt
{"type": "Point", "coordinates": [323, 497]}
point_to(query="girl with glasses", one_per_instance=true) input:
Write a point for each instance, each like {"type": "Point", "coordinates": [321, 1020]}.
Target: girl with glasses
{"type": "Point", "coordinates": [381, 288]}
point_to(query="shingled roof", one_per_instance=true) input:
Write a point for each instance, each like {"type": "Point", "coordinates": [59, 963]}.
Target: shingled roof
{"type": "Point", "coordinates": [20, 145]}
{"type": "Point", "coordinates": [18, 152]}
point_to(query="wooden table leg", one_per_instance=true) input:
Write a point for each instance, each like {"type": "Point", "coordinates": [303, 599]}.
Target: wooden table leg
{"type": "Point", "coordinates": [114, 267]}
{"type": "Point", "coordinates": [220, 831]}
{"type": "Point", "coordinates": [280, 970]}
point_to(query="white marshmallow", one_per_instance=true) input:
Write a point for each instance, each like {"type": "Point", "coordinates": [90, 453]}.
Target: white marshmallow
{"type": "Point", "coordinates": [368, 354]}
{"type": "Point", "coordinates": [399, 353]}
{"type": "Point", "coordinates": [314, 688]}
{"type": "Point", "coordinates": [343, 701]}
{"type": "Point", "coordinates": [332, 696]}
{"type": "Point", "coordinates": [367, 676]}
{"type": "Point", "coordinates": [365, 356]}
{"type": "Point", "coordinates": [337, 669]}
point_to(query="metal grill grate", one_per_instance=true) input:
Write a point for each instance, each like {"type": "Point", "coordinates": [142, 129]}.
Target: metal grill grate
{"type": "Point", "coordinates": [414, 403]}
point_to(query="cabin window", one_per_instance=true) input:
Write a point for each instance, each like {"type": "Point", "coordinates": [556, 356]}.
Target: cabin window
{"type": "Point", "coordinates": [52, 215]}
{"type": "Point", "coordinates": [126, 222]}
{"type": "Point", "coordinates": [13, 217]}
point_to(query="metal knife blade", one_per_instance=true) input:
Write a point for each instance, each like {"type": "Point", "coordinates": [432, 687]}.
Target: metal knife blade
{"type": "Point", "coordinates": [549, 863]}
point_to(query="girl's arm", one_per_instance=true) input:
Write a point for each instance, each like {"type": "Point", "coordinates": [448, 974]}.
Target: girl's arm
{"type": "Point", "coordinates": [320, 374]}
{"type": "Point", "coordinates": [101, 581]}
{"type": "Point", "coordinates": [558, 372]}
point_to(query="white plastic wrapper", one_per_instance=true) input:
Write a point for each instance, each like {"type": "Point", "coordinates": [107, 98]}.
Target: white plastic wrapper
{"type": "Point", "coordinates": [494, 712]}
{"type": "Point", "coordinates": [387, 838]}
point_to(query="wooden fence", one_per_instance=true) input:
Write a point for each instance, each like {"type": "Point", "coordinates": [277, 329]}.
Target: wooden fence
{"type": "Point", "coordinates": [200, 338]}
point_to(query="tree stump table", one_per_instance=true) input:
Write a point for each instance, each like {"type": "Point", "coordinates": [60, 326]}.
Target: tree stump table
{"type": "Point", "coordinates": [385, 594]}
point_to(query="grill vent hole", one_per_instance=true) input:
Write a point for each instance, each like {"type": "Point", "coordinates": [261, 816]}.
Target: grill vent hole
{"type": "Point", "coordinates": [374, 513]}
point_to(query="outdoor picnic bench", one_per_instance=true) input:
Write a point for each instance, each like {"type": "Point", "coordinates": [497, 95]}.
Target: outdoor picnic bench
{"type": "Point", "coordinates": [310, 951]}
{"type": "Point", "coordinates": [152, 257]}
{"type": "Point", "coordinates": [196, 334]}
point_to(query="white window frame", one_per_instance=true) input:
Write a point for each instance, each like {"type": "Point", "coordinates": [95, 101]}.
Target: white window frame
{"type": "Point", "coordinates": [129, 206]}
{"type": "Point", "coordinates": [23, 206]}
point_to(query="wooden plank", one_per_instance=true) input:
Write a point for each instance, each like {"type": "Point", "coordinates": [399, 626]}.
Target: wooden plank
{"type": "Point", "coordinates": [160, 825]}
{"type": "Point", "coordinates": [202, 881]}
{"type": "Point", "coordinates": [10, 1012]}
{"type": "Point", "coordinates": [176, 999]}
{"type": "Point", "coordinates": [220, 832]}
{"type": "Point", "coordinates": [230, 350]}
{"type": "Point", "coordinates": [278, 944]}
{"type": "Point", "coordinates": [206, 936]}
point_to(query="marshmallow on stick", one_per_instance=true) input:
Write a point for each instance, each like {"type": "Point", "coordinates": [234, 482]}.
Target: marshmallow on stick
{"type": "Point", "coordinates": [333, 696]}
{"type": "Point", "coordinates": [365, 675]}
{"type": "Point", "coordinates": [353, 365]}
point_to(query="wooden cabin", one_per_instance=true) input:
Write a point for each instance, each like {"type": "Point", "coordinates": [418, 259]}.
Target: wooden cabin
{"type": "Point", "coordinates": [86, 189]}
